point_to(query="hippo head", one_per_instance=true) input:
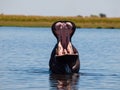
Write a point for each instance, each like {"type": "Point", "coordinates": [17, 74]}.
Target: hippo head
{"type": "Point", "coordinates": [63, 31]}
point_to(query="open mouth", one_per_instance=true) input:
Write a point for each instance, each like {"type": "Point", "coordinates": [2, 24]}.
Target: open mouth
{"type": "Point", "coordinates": [64, 51]}
{"type": "Point", "coordinates": [63, 32]}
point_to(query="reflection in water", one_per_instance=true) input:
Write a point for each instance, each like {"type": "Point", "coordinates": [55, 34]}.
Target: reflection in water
{"type": "Point", "coordinates": [64, 82]}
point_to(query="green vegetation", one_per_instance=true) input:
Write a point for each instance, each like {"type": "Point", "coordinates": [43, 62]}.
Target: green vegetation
{"type": "Point", "coordinates": [46, 21]}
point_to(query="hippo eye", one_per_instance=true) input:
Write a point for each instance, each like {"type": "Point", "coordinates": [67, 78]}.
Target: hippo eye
{"type": "Point", "coordinates": [69, 25]}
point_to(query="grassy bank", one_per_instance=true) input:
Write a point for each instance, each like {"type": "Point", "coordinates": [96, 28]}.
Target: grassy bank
{"type": "Point", "coordinates": [46, 21]}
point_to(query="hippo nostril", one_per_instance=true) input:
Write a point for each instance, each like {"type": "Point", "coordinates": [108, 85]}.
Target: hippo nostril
{"type": "Point", "coordinates": [69, 25]}
{"type": "Point", "coordinates": [58, 26]}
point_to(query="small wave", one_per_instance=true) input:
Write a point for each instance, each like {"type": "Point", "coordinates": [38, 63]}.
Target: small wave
{"type": "Point", "coordinates": [31, 70]}
{"type": "Point", "coordinates": [97, 74]}
{"type": "Point", "coordinates": [38, 70]}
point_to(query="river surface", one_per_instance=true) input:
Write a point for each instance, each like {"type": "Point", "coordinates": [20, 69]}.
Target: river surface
{"type": "Point", "coordinates": [25, 53]}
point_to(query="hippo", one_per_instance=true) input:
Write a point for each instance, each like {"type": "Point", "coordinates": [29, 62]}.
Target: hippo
{"type": "Point", "coordinates": [64, 57]}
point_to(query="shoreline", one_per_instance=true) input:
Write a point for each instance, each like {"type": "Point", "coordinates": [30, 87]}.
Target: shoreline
{"type": "Point", "coordinates": [47, 21]}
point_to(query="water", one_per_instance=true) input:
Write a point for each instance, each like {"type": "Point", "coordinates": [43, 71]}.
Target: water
{"type": "Point", "coordinates": [25, 53]}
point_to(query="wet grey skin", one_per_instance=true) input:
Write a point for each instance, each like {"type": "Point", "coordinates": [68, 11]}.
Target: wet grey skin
{"type": "Point", "coordinates": [64, 57]}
